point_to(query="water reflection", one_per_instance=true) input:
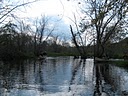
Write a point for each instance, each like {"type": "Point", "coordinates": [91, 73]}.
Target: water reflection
{"type": "Point", "coordinates": [119, 79]}
{"type": "Point", "coordinates": [57, 76]}
{"type": "Point", "coordinates": [61, 76]}
{"type": "Point", "coordinates": [111, 80]}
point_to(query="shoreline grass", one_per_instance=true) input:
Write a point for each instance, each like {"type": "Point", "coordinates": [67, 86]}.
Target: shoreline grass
{"type": "Point", "coordinates": [120, 63]}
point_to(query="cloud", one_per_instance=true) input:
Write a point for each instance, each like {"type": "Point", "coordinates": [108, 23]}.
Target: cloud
{"type": "Point", "coordinates": [61, 28]}
{"type": "Point", "coordinates": [59, 12]}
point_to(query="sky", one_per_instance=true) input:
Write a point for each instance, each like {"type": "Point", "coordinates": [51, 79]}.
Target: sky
{"type": "Point", "coordinates": [59, 8]}
{"type": "Point", "coordinates": [59, 12]}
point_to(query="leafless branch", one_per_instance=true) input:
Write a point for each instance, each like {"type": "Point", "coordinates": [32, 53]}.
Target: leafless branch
{"type": "Point", "coordinates": [17, 7]}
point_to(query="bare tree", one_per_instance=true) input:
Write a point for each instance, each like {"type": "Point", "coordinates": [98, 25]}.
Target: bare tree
{"type": "Point", "coordinates": [77, 38]}
{"type": "Point", "coordinates": [43, 32]}
{"type": "Point", "coordinates": [6, 9]}
{"type": "Point", "coordinates": [106, 18]}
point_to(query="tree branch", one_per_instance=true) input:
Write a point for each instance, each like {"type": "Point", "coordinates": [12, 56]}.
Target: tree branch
{"type": "Point", "coordinates": [17, 7]}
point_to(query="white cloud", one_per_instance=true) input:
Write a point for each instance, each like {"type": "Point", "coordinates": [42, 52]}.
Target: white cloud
{"type": "Point", "coordinates": [62, 8]}
{"type": "Point", "coordinates": [59, 10]}
{"type": "Point", "coordinates": [47, 7]}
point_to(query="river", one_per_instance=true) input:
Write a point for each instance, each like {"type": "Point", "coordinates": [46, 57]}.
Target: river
{"type": "Point", "coordinates": [62, 76]}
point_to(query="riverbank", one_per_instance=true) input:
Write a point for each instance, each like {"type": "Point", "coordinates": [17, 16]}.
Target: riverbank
{"type": "Point", "coordinates": [117, 62]}
{"type": "Point", "coordinates": [121, 63]}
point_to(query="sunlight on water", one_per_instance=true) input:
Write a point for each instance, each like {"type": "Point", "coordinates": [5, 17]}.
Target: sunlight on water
{"type": "Point", "coordinates": [57, 76]}
{"type": "Point", "coordinates": [120, 78]}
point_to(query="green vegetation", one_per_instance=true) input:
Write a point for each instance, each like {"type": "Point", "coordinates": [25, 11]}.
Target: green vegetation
{"type": "Point", "coordinates": [104, 24]}
{"type": "Point", "coordinates": [117, 50]}
{"type": "Point", "coordinates": [121, 63]}
{"type": "Point", "coordinates": [21, 45]}
{"type": "Point", "coordinates": [61, 54]}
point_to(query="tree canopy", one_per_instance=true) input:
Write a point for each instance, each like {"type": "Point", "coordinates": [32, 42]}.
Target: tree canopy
{"type": "Point", "coordinates": [105, 20]}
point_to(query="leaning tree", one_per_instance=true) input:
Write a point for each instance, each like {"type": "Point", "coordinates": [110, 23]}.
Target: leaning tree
{"type": "Point", "coordinates": [105, 20]}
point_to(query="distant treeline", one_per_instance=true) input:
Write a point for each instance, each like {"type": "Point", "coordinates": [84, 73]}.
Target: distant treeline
{"type": "Point", "coordinates": [15, 45]}
{"type": "Point", "coordinates": [112, 50]}
{"type": "Point", "coordinates": [118, 50]}
{"type": "Point", "coordinates": [21, 45]}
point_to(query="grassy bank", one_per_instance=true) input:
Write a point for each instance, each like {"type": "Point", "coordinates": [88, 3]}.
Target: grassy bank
{"type": "Point", "coordinates": [120, 63]}
{"type": "Point", "coordinates": [60, 54]}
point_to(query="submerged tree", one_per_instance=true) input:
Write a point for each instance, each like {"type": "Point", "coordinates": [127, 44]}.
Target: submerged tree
{"type": "Point", "coordinates": [77, 38]}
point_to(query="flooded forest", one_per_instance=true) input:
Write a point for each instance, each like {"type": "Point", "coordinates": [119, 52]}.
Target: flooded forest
{"type": "Point", "coordinates": [64, 48]}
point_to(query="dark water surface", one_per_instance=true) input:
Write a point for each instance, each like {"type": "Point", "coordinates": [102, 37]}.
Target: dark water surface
{"type": "Point", "coordinates": [61, 76]}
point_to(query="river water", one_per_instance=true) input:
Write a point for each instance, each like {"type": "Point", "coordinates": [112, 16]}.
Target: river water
{"type": "Point", "coordinates": [62, 76]}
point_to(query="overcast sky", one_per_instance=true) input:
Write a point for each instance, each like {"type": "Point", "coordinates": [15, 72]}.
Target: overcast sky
{"type": "Point", "coordinates": [58, 10]}
{"type": "Point", "coordinates": [61, 8]}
